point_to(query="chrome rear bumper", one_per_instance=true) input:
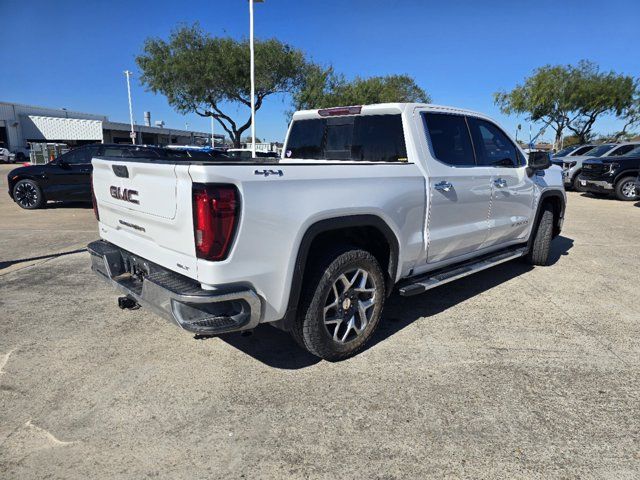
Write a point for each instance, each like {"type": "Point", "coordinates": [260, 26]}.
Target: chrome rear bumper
{"type": "Point", "coordinates": [174, 296]}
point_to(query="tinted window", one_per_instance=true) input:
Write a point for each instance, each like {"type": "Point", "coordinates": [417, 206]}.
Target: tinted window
{"type": "Point", "coordinates": [582, 150]}
{"type": "Point", "coordinates": [306, 139]}
{"type": "Point", "coordinates": [71, 157]}
{"type": "Point", "coordinates": [338, 139]}
{"type": "Point", "coordinates": [79, 155]}
{"type": "Point", "coordinates": [633, 152]}
{"type": "Point", "coordinates": [113, 152]}
{"type": "Point", "coordinates": [244, 155]}
{"type": "Point", "coordinates": [565, 151]}
{"type": "Point", "coordinates": [449, 137]}
{"type": "Point", "coordinates": [601, 150]}
{"type": "Point", "coordinates": [367, 138]}
{"type": "Point", "coordinates": [623, 149]}
{"type": "Point", "coordinates": [492, 146]}
{"type": "Point", "coordinates": [378, 138]}
{"type": "Point", "coordinates": [136, 152]}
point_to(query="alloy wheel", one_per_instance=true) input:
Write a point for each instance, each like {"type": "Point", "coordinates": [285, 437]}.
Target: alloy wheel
{"type": "Point", "coordinates": [629, 189]}
{"type": "Point", "coordinates": [349, 305]}
{"type": "Point", "coordinates": [26, 194]}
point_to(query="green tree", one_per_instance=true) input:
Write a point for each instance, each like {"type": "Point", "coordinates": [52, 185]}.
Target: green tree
{"type": "Point", "coordinates": [594, 93]}
{"type": "Point", "coordinates": [568, 97]}
{"type": "Point", "coordinates": [207, 75]}
{"type": "Point", "coordinates": [631, 117]}
{"type": "Point", "coordinates": [324, 88]}
{"type": "Point", "coordinates": [571, 140]}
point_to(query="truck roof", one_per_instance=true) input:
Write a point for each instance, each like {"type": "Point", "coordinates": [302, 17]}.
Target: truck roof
{"type": "Point", "coordinates": [387, 108]}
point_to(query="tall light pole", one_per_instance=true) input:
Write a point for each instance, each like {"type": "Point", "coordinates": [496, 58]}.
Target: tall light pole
{"type": "Point", "coordinates": [133, 133]}
{"type": "Point", "coordinates": [253, 79]}
{"type": "Point", "coordinates": [213, 141]}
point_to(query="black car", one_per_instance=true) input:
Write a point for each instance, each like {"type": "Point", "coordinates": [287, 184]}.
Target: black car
{"type": "Point", "coordinates": [616, 174]}
{"type": "Point", "coordinates": [68, 177]}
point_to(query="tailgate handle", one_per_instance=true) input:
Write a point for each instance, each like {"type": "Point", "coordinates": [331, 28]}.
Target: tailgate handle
{"type": "Point", "coordinates": [120, 171]}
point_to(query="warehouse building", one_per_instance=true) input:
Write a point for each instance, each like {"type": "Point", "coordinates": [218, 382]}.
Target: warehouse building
{"type": "Point", "coordinates": [21, 124]}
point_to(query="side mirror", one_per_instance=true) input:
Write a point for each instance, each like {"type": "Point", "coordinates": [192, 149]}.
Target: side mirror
{"type": "Point", "coordinates": [538, 161]}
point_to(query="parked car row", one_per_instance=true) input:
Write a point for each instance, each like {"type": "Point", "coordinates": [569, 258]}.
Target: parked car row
{"type": "Point", "coordinates": [68, 177]}
{"type": "Point", "coordinates": [6, 156]}
{"type": "Point", "coordinates": [606, 169]}
{"type": "Point", "coordinates": [617, 174]}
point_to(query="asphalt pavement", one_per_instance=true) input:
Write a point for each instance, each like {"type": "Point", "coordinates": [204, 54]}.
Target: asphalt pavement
{"type": "Point", "coordinates": [515, 372]}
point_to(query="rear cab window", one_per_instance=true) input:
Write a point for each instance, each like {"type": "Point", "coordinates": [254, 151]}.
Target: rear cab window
{"type": "Point", "coordinates": [360, 138]}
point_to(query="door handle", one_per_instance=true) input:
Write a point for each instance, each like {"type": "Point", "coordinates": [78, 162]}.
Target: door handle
{"type": "Point", "coordinates": [500, 183]}
{"type": "Point", "coordinates": [443, 186]}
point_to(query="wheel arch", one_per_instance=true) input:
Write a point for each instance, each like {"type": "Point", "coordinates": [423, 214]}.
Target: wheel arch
{"type": "Point", "coordinates": [556, 199]}
{"type": "Point", "coordinates": [624, 174]}
{"type": "Point", "coordinates": [370, 232]}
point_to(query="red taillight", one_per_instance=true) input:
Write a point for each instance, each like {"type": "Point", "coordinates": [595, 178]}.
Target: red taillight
{"type": "Point", "coordinates": [94, 201]}
{"type": "Point", "coordinates": [333, 112]}
{"type": "Point", "coordinates": [215, 216]}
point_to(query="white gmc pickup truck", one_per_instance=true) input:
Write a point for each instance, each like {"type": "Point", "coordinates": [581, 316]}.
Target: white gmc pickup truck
{"type": "Point", "coordinates": [364, 200]}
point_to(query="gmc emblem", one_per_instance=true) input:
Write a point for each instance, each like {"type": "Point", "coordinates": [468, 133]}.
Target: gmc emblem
{"type": "Point", "coordinates": [125, 194]}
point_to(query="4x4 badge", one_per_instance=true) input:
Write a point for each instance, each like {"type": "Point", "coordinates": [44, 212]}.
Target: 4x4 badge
{"type": "Point", "coordinates": [266, 173]}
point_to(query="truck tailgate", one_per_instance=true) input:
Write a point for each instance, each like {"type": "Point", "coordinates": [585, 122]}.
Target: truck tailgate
{"type": "Point", "coordinates": [145, 208]}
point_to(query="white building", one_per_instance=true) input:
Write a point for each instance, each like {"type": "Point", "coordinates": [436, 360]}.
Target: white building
{"type": "Point", "coordinates": [21, 124]}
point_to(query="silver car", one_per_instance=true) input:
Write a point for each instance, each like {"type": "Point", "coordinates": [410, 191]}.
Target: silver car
{"type": "Point", "coordinates": [572, 151]}
{"type": "Point", "coordinates": [572, 166]}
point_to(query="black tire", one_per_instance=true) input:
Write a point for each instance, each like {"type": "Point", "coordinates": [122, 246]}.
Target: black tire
{"type": "Point", "coordinates": [626, 189]}
{"type": "Point", "coordinates": [28, 195]}
{"type": "Point", "coordinates": [20, 157]}
{"type": "Point", "coordinates": [343, 335]}
{"type": "Point", "coordinates": [541, 245]}
{"type": "Point", "coordinates": [576, 183]}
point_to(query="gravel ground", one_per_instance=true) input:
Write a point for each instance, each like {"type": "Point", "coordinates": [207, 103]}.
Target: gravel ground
{"type": "Point", "coordinates": [512, 373]}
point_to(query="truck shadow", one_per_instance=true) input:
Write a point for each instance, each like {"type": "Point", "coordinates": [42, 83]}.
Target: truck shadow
{"type": "Point", "coordinates": [277, 349]}
{"type": "Point", "coordinates": [400, 311]}
{"type": "Point", "coordinates": [8, 263]}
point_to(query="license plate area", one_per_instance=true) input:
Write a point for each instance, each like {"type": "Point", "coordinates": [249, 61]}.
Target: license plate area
{"type": "Point", "coordinates": [135, 267]}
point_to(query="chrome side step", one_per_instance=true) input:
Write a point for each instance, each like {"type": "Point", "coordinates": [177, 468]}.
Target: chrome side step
{"type": "Point", "coordinates": [418, 285]}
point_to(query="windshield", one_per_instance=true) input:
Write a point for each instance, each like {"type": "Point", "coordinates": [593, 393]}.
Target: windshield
{"type": "Point", "coordinates": [601, 150]}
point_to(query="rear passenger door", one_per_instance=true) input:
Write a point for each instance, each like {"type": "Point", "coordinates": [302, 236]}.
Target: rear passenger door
{"type": "Point", "coordinates": [512, 190]}
{"type": "Point", "coordinates": [459, 190]}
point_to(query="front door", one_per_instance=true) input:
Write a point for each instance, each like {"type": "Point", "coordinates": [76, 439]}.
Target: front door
{"type": "Point", "coordinates": [512, 189]}
{"type": "Point", "coordinates": [459, 190]}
